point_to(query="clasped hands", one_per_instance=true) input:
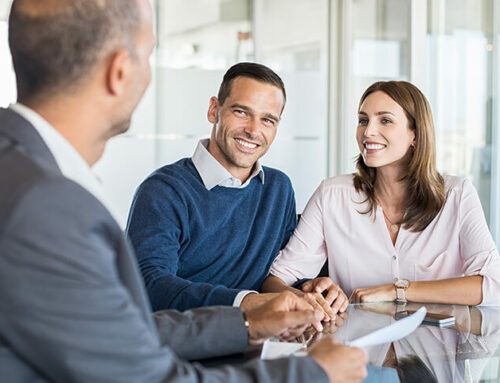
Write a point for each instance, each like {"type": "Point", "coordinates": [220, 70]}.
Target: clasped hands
{"type": "Point", "coordinates": [287, 315]}
{"type": "Point", "coordinates": [322, 299]}
{"type": "Point", "coordinates": [325, 295]}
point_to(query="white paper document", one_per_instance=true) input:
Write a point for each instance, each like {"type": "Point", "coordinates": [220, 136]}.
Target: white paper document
{"type": "Point", "coordinates": [273, 349]}
{"type": "Point", "coordinates": [391, 333]}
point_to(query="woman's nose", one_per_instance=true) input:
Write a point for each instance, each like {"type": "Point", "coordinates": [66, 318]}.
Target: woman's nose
{"type": "Point", "coordinates": [371, 129]}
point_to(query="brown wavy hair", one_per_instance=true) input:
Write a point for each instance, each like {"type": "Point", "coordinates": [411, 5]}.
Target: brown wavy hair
{"type": "Point", "coordinates": [425, 186]}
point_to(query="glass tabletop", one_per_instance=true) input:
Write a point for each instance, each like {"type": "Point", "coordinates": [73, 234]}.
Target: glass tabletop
{"type": "Point", "coordinates": [466, 351]}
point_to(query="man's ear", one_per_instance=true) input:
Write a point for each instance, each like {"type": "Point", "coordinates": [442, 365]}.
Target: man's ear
{"type": "Point", "coordinates": [213, 110]}
{"type": "Point", "coordinates": [118, 72]}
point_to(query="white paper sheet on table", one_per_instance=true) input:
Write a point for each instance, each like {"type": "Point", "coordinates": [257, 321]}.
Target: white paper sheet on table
{"type": "Point", "coordinates": [395, 331]}
{"type": "Point", "coordinates": [391, 333]}
{"type": "Point", "coordinates": [274, 349]}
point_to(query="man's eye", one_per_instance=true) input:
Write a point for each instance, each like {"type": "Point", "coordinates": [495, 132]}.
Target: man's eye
{"type": "Point", "coordinates": [240, 112]}
{"type": "Point", "coordinates": [267, 121]}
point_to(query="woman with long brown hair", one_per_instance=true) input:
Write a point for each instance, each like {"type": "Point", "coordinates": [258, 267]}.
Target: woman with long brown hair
{"type": "Point", "coordinates": [396, 229]}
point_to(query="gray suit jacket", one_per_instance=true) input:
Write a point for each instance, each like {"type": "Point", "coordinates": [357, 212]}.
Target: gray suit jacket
{"type": "Point", "coordinates": [72, 304]}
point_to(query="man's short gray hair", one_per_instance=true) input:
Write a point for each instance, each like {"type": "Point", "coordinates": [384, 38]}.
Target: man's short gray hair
{"type": "Point", "coordinates": [56, 43]}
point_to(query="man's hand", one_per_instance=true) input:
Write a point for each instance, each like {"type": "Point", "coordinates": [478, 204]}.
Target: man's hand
{"type": "Point", "coordinates": [254, 300]}
{"type": "Point", "coordinates": [285, 315]}
{"type": "Point", "coordinates": [334, 301]}
{"type": "Point", "coordinates": [311, 336]}
{"type": "Point", "coordinates": [341, 363]}
{"type": "Point", "coordinates": [374, 294]}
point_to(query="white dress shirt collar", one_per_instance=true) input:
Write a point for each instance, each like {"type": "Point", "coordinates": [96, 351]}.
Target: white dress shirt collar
{"type": "Point", "coordinates": [69, 161]}
{"type": "Point", "coordinates": [213, 174]}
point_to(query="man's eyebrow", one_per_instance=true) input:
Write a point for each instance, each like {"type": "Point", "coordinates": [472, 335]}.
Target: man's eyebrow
{"type": "Point", "coordinates": [239, 106]}
{"type": "Point", "coordinates": [271, 117]}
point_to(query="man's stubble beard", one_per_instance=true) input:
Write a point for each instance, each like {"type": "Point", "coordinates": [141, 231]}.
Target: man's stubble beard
{"type": "Point", "coordinates": [231, 154]}
{"type": "Point", "coordinates": [120, 128]}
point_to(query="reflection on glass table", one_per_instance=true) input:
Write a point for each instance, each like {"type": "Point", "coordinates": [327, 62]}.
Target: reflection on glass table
{"type": "Point", "coordinates": [464, 352]}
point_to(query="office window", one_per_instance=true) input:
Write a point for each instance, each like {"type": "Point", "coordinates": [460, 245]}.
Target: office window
{"type": "Point", "coordinates": [446, 48]}
{"type": "Point", "coordinates": [460, 88]}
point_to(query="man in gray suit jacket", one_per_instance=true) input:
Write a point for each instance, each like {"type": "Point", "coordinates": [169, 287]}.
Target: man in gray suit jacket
{"type": "Point", "coordinates": [72, 303]}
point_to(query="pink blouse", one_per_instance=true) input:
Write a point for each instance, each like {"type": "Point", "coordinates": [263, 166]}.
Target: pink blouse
{"type": "Point", "coordinates": [360, 251]}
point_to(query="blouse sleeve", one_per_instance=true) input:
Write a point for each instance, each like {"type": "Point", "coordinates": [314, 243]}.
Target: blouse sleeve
{"type": "Point", "coordinates": [305, 253]}
{"type": "Point", "coordinates": [477, 248]}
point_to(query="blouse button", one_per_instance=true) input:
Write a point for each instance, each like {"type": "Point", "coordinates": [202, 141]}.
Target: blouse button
{"type": "Point", "coordinates": [394, 257]}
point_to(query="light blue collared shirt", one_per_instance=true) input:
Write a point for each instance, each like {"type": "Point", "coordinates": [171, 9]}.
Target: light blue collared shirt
{"type": "Point", "coordinates": [213, 174]}
{"type": "Point", "coordinates": [69, 161]}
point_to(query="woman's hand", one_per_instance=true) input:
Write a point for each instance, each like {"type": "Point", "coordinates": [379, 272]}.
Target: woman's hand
{"type": "Point", "coordinates": [374, 294]}
{"type": "Point", "coordinates": [334, 301]}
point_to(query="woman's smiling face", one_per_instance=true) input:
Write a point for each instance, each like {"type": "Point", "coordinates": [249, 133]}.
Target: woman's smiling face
{"type": "Point", "coordinates": [383, 134]}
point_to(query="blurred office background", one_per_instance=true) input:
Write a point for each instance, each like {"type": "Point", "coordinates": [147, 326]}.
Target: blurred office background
{"type": "Point", "coordinates": [327, 52]}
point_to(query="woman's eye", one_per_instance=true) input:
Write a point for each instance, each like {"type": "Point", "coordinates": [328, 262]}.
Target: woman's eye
{"type": "Point", "coordinates": [386, 121]}
{"type": "Point", "coordinates": [362, 121]}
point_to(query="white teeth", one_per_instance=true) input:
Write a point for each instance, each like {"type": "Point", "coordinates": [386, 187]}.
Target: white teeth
{"type": "Point", "coordinates": [246, 144]}
{"type": "Point", "coordinates": [374, 146]}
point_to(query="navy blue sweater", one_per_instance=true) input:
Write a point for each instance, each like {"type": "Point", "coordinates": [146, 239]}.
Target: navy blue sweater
{"type": "Point", "coordinates": [199, 247]}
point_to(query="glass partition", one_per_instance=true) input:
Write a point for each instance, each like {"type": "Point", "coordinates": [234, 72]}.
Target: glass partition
{"type": "Point", "coordinates": [459, 71]}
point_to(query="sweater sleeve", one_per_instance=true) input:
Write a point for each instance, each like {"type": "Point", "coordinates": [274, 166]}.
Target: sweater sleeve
{"type": "Point", "coordinates": [477, 248]}
{"type": "Point", "coordinates": [291, 217]}
{"type": "Point", "coordinates": [158, 227]}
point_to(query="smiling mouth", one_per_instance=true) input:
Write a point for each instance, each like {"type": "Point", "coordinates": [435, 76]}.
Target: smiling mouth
{"type": "Point", "coordinates": [246, 144]}
{"type": "Point", "coordinates": [370, 146]}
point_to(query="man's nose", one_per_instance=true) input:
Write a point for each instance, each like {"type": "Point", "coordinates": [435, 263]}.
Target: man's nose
{"type": "Point", "coordinates": [252, 127]}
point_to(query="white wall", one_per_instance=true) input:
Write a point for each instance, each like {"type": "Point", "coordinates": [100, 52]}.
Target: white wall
{"type": "Point", "coordinates": [4, 9]}
{"type": "Point", "coordinates": [7, 76]}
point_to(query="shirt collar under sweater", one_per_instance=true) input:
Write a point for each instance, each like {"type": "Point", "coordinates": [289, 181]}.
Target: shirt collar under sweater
{"type": "Point", "coordinates": [213, 174]}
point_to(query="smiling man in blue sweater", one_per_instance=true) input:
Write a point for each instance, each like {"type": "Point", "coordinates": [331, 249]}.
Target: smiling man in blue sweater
{"type": "Point", "coordinates": [206, 229]}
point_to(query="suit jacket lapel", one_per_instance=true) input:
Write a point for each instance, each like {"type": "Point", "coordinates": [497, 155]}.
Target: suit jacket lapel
{"type": "Point", "coordinates": [24, 136]}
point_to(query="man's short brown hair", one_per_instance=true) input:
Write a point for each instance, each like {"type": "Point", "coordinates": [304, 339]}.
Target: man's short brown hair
{"type": "Point", "coordinates": [56, 43]}
{"type": "Point", "coordinates": [254, 71]}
